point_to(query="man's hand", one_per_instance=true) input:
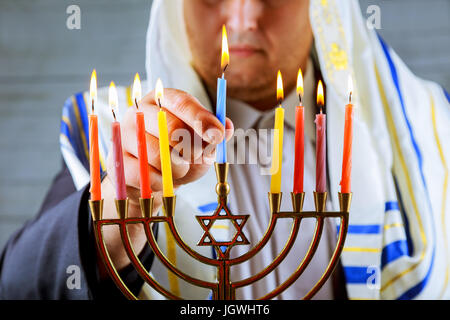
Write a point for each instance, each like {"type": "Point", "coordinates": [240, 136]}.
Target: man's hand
{"type": "Point", "coordinates": [186, 117]}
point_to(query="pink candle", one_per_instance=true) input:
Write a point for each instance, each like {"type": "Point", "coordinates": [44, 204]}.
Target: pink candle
{"type": "Point", "coordinates": [321, 144]}
{"type": "Point", "coordinates": [299, 149]}
{"type": "Point", "coordinates": [321, 151]}
{"type": "Point", "coordinates": [121, 190]}
{"type": "Point", "coordinates": [299, 162]}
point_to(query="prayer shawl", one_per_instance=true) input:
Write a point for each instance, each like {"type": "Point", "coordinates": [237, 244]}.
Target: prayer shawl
{"type": "Point", "coordinates": [397, 245]}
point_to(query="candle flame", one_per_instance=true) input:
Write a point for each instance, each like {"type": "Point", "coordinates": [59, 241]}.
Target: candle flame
{"type": "Point", "coordinates": [225, 53]}
{"type": "Point", "coordinates": [280, 92]}
{"type": "Point", "coordinates": [113, 99]}
{"type": "Point", "coordinates": [320, 97]}
{"type": "Point", "coordinates": [159, 92]}
{"type": "Point", "coordinates": [93, 88]}
{"type": "Point", "coordinates": [300, 83]}
{"type": "Point", "coordinates": [137, 89]}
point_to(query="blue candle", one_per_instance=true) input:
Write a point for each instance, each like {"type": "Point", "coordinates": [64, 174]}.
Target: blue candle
{"type": "Point", "coordinates": [221, 111]}
{"type": "Point", "coordinates": [221, 105]}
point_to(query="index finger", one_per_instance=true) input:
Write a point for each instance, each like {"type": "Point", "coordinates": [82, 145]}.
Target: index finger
{"type": "Point", "coordinates": [188, 109]}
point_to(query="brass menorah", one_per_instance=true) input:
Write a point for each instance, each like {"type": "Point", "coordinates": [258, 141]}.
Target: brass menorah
{"type": "Point", "coordinates": [223, 288]}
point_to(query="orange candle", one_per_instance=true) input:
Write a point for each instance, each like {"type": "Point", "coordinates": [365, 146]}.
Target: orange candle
{"type": "Point", "coordinates": [144, 173]}
{"type": "Point", "coordinates": [94, 158]}
{"type": "Point", "coordinates": [348, 139]}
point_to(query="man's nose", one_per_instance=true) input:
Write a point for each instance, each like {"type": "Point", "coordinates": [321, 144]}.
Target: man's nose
{"type": "Point", "coordinates": [243, 15]}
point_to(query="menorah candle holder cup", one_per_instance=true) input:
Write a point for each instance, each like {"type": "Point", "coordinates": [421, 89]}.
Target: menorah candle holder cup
{"type": "Point", "coordinates": [223, 288]}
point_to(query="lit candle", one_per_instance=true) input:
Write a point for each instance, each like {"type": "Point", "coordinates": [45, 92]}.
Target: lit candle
{"type": "Point", "coordinates": [144, 173]}
{"type": "Point", "coordinates": [121, 190]}
{"type": "Point", "coordinates": [299, 138]}
{"type": "Point", "coordinates": [164, 150]}
{"type": "Point", "coordinates": [221, 105]}
{"type": "Point", "coordinates": [277, 154]}
{"type": "Point", "coordinates": [94, 162]}
{"type": "Point", "coordinates": [321, 143]}
{"type": "Point", "coordinates": [348, 138]}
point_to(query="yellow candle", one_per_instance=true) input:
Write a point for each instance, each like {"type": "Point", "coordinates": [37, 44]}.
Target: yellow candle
{"type": "Point", "coordinates": [164, 150]}
{"type": "Point", "coordinates": [277, 154]}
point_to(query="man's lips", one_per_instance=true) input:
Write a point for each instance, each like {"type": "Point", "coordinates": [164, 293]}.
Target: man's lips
{"type": "Point", "coordinates": [243, 51]}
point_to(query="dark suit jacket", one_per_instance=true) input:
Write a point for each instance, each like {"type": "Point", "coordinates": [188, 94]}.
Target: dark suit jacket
{"type": "Point", "coordinates": [34, 262]}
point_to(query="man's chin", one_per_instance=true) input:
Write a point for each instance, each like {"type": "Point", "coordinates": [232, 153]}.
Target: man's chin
{"type": "Point", "coordinates": [249, 74]}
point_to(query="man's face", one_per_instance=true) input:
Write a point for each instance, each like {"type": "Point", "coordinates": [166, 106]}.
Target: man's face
{"type": "Point", "coordinates": [264, 36]}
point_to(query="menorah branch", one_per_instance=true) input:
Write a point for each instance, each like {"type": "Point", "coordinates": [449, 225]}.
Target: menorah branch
{"type": "Point", "coordinates": [334, 259]}
{"type": "Point", "coordinates": [303, 264]}
{"type": "Point", "coordinates": [169, 265]}
{"type": "Point", "coordinates": [287, 247]}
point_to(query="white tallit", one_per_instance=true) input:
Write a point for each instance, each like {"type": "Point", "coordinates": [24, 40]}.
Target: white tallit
{"type": "Point", "coordinates": [398, 241]}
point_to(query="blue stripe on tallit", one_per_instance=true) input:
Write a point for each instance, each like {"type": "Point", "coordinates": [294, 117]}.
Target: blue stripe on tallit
{"type": "Point", "coordinates": [66, 131]}
{"type": "Point", "coordinates": [76, 142]}
{"type": "Point", "coordinates": [358, 275]}
{"type": "Point", "coordinates": [362, 229]}
{"type": "Point", "coordinates": [393, 251]}
{"type": "Point", "coordinates": [207, 207]}
{"type": "Point", "coordinates": [391, 205]}
{"type": "Point", "coordinates": [83, 114]}
{"type": "Point", "coordinates": [447, 95]}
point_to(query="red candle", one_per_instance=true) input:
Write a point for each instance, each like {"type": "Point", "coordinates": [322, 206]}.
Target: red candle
{"type": "Point", "coordinates": [94, 163]}
{"type": "Point", "coordinates": [348, 138]}
{"type": "Point", "coordinates": [144, 173]}
{"type": "Point", "coordinates": [121, 191]}
{"type": "Point", "coordinates": [299, 138]}
{"type": "Point", "coordinates": [321, 144]}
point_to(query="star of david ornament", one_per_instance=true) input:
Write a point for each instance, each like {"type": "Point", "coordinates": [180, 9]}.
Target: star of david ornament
{"type": "Point", "coordinates": [222, 213]}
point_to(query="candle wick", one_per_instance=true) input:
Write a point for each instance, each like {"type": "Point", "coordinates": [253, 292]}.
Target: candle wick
{"type": "Point", "coordinates": [92, 105]}
{"type": "Point", "coordinates": [350, 97]}
{"type": "Point", "coordinates": [224, 69]}
{"type": "Point", "coordinates": [159, 103]}
{"type": "Point", "coordinates": [135, 102]}
{"type": "Point", "coordinates": [280, 103]}
{"type": "Point", "coordinates": [114, 114]}
{"type": "Point", "coordinates": [300, 98]}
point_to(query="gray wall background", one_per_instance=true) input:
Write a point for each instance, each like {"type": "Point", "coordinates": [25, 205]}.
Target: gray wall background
{"type": "Point", "coordinates": [42, 63]}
